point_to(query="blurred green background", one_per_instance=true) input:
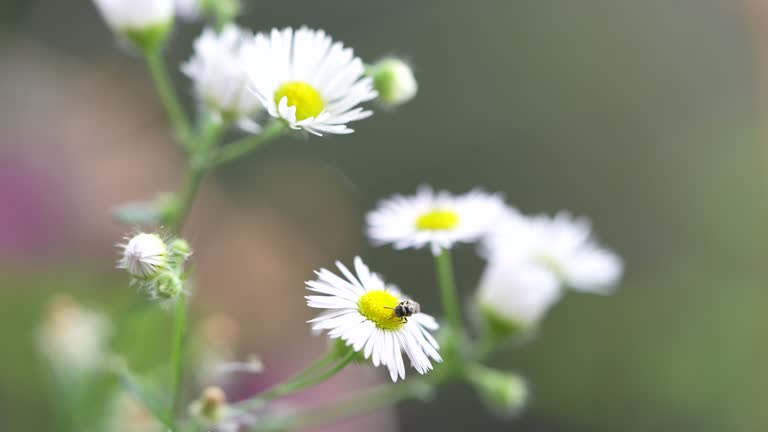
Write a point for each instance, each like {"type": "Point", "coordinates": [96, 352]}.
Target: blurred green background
{"type": "Point", "coordinates": [645, 116]}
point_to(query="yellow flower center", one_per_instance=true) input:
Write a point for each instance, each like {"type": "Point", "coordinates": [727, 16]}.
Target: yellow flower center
{"type": "Point", "coordinates": [303, 96]}
{"type": "Point", "coordinates": [378, 306]}
{"type": "Point", "coordinates": [437, 220]}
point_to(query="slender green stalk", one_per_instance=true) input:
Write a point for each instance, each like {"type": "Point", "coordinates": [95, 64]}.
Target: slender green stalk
{"type": "Point", "coordinates": [242, 147]}
{"type": "Point", "coordinates": [298, 382]}
{"type": "Point", "coordinates": [349, 406]}
{"type": "Point", "coordinates": [168, 97]}
{"type": "Point", "coordinates": [192, 183]}
{"type": "Point", "coordinates": [177, 356]}
{"type": "Point", "coordinates": [448, 293]}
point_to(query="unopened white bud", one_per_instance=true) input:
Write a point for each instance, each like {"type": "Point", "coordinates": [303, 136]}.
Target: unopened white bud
{"type": "Point", "coordinates": [394, 81]}
{"type": "Point", "coordinates": [144, 255]}
{"type": "Point", "coordinates": [146, 23]}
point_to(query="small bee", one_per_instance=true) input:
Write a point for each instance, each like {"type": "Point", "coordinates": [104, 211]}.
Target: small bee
{"type": "Point", "coordinates": [404, 309]}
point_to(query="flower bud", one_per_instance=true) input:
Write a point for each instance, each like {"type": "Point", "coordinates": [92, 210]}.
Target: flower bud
{"type": "Point", "coordinates": [505, 393]}
{"type": "Point", "coordinates": [210, 408]}
{"type": "Point", "coordinates": [166, 285]}
{"type": "Point", "coordinates": [144, 255]}
{"type": "Point", "coordinates": [146, 23]}
{"type": "Point", "coordinates": [513, 297]}
{"type": "Point", "coordinates": [394, 81]}
{"type": "Point", "coordinates": [179, 251]}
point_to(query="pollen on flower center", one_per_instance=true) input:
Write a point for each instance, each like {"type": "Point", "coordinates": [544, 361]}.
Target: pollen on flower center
{"type": "Point", "coordinates": [377, 306]}
{"type": "Point", "coordinates": [437, 220]}
{"type": "Point", "coordinates": [303, 96]}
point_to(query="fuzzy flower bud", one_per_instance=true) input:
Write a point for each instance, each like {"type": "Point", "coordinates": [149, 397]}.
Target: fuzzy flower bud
{"type": "Point", "coordinates": [394, 81]}
{"type": "Point", "coordinates": [146, 23]}
{"type": "Point", "coordinates": [144, 255]}
{"type": "Point", "coordinates": [179, 251]}
{"type": "Point", "coordinates": [505, 393]}
{"type": "Point", "coordinates": [166, 285]}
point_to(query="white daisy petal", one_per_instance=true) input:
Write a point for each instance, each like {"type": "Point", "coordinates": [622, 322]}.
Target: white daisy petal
{"type": "Point", "coordinates": [359, 310]}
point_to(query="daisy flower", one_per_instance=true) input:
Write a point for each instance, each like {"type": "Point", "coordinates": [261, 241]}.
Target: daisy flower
{"type": "Point", "coordinates": [360, 312]}
{"type": "Point", "coordinates": [437, 219]}
{"type": "Point", "coordinates": [219, 77]}
{"type": "Point", "coordinates": [563, 244]}
{"type": "Point", "coordinates": [308, 80]}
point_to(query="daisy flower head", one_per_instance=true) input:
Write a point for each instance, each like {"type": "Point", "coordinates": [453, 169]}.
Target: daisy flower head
{"type": "Point", "coordinates": [436, 219]}
{"type": "Point", "coordinates": [563, 244]}
{"type": "Point", "coordinates": [360, 311]}
{"type": "Point", "coordinates": [306, 79]}
{"type": "Point", "coordinates": [220, 80]}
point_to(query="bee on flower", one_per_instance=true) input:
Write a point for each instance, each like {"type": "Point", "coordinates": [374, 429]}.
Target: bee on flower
{"type": "Point", "coordinates": [362, 310]}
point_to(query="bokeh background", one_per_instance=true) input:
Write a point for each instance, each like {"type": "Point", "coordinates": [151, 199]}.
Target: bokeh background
{"type": "Point", "coordinates": [647, 116]}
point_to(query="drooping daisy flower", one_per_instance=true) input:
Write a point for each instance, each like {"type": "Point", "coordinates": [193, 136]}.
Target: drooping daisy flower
{"type": "Point", "coordinates": [306, 79]}
{"type": "Point", "coordinates": [563, 244]}
{"type": "Point", "coordinates": [435, 219]}
{"type": "Point", "coordinates": [220, 80]}
{"type": "Point", "coordinates": [514, 295]}
{"type": "Point", "coordinates": [136, 16]}
{"type": "Point", "coordinates": [360, 312]}
{"type": "Point", "coordinates": [143, 255]}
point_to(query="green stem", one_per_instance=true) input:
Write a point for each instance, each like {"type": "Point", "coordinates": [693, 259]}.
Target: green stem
{"type": "Point", "coordinates": [299, 382]}
{"type": "Point", "coordinates": [448, 293]}
{"type": "Point", "coordinates": [168, 97]}
{"type": "Point", "coordinates": [240, 148]}
{"type": "Point", "coordinates": [177, 356]}
{"type": "Point", "coordinates": [348, 406]}
{"type": "Point", "coordinates": [195, 176]}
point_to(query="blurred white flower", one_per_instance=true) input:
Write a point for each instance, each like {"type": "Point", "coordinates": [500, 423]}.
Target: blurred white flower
{"type": "Point", "coordinates": [434, 219]}
{"type": "Point", "coordinates": [219, 76]}
{"type": "Point", "coordinates": [360, 312]}
{"type": "Point", "coordinates": [306, 79]}
{"type": "Point", "coordinates": [514, 296]}
{"type": "Point", "coordinates": [144, 255]}
{"type": "Point", "coordinates": [394, 80]}
{"type": "Point", "coordinates": [562, 244]}
{"type": "Point", "coordinates": [136, 15]}
{"type": "Point", "coordinates": [73, 338]}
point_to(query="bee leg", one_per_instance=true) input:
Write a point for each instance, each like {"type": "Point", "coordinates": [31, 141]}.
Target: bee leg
{"type": "Point", "coordinates": [404, 319]}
